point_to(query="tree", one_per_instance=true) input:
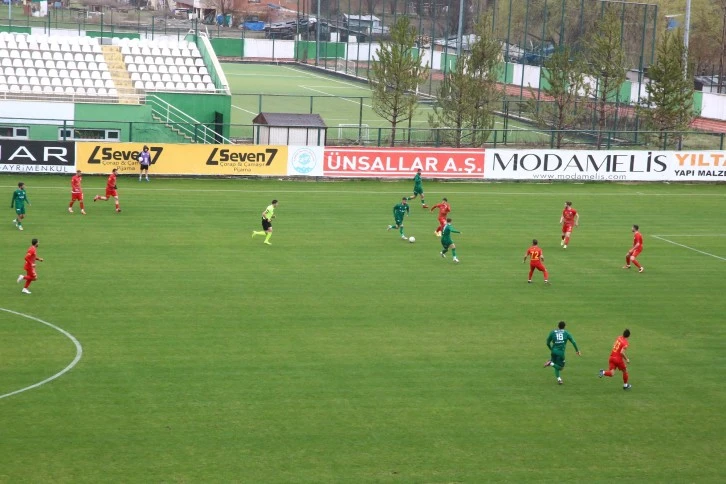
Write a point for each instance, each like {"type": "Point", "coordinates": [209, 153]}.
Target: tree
{"type": "Point", "coordinates": [467, 97]}
{"type": "Point", "coordinates": [668, 106]}
{"type": "Point", "coordinates": [606, 64]}
{"type": "Point", "coordinates": [394, 77]}
{"type": "Point", "coordinates": [223, 6]}
{"type": "Point", "coordinates": [563, 89]}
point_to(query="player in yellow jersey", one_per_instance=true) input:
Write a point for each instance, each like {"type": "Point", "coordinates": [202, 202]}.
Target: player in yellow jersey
{"type": "Point", "coordinates": [267, 217]}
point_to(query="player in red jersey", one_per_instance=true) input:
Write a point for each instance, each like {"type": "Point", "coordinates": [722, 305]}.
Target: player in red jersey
{"type": "Point", "coordinates": [76, 192]}
{"type": "Point", "coordinates": [570, 218]}
{"type": "Point", "coordinates": [635, 250]}
{"type": "Point", "coordinates": [444, 209]}
{"type": "Point", "coordinates": [30, 257]}
{"type": "Point", "coordinates": [111, 190]}
{"type": "Point", "coordinates": [618, 359]}
{"type": "Point", "coordinates": [536, 260]}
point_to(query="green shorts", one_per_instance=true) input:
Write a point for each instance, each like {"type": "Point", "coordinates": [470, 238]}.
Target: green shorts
{"type": "Point", "coordinates": [558, 359]}
{"type": "Point", "coordinates": [417, 191]}
{"type": "Point", "coordinates": [20, 210]}
{"type": "Point", "coordinates": [446, 243]}
{"type": "Point", "coordinates": [398, 222]}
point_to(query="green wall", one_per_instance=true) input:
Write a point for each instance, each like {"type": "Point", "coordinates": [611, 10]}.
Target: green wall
{"type": "Point", "coordinates": [201, 106]}
{"type": "Point", "coordinates": [14, 28]}
{"type": "Point", "coordinates": [228, 47]}
{"type": "Point", "coordinates": [111, 33]}
{"type": "Point", "coordinates": [134, 121]}
{"type": "Point", "coordinates": [305, 49]}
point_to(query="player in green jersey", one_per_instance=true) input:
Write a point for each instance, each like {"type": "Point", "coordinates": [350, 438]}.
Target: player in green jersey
{"type": "Point", "coordinates": [20, 198]}
{"type": "Point", "coordinates": [400, 210]}
{"type": "Point", "coordinates": [267, 217]}
{"type": "Point", "coordinates": [418, 189]}
{"type": "Point", "coordinates": [556, 342]}
{"type": "Point", "coordinates": [446, 241]}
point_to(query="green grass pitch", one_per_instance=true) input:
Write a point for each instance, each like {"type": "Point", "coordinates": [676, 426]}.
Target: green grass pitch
{"type": "Point", "coordinates": [343, 354]}
{"type": "Point", "coordinates": [338, 101]}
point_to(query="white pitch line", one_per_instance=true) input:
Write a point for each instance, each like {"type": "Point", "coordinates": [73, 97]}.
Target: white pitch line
{"type": "Point", "coordinates": [79, 353]}
{"type": "Point", "coordinates": [354, 85]}
{"type": "Point", "coordinates": [237, 107]}
{"type": "Point", "coordinates": [689, 248]}
{"type": "Point", "coordinates": [357, 103]}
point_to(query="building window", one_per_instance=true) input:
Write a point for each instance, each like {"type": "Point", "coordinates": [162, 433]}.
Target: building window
{"type": "Point", "coordinates": [78, 134]}
{"type": "Point", "coordinates": [13, 132]}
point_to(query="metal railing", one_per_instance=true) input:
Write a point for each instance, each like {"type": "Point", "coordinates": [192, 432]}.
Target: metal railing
{"type": "Point", "coordinates": [185, 125]}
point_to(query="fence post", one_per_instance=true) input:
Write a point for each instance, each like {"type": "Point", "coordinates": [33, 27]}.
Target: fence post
{"type": "Point", "coordinates": [131, 131]}
{"type": "Point", "coordinates": [311, 104]}
{"type": "Point", "coordinates": [721, 146]}
{"type": "Point", "coordinates": [379, 137]}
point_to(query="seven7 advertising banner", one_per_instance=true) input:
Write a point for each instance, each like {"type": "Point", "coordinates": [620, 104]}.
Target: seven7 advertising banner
{"type": "Point", "coordinates": [189, 159]}
{"type": "Point", "coordinates": [452, 163]}
{"type": "Point", "coordinates": [37, 156]}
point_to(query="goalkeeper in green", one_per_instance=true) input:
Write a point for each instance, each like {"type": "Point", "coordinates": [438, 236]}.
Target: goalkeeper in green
{"type": "Point", "coordinates": [556, 342]}
{"type": "Point", "coordinates": [400, 210]}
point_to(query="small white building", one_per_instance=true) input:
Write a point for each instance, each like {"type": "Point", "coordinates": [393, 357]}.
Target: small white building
{"type": "Point", "coordinates": [289, 129]}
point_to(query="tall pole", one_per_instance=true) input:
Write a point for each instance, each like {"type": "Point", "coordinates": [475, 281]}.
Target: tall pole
{"type": "Point", "coordinates": [317, 36]}
{"type": "Point", "coordinates": [686, 32]}
{"type": "Point", "coordinates": [460, 33]}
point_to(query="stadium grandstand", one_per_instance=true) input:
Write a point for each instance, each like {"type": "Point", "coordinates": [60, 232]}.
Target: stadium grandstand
{"type": "Point", "coordinates": [118, 89]}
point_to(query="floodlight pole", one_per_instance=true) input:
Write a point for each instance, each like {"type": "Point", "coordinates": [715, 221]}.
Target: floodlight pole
{"type": "Point", "coordinates": [460, 32]}
{"type": "Point", "coordinates": [686, 32]}
{"type": "Point", "coordinates": [317, 36]}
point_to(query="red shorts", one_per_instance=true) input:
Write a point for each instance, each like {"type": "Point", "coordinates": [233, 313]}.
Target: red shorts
{"type": "Point", "coordinates": [76, 196]}
{"type": "Point", "coordinates": [566, 228]}
{"type": "Point", "coordinates": [617, 362]}
{"type": "Point", "coordinates": [537, 265]}
{"type": "Point", "coordinates": [442, 220]}
{"type": "Point", "coordinates": [111, 192]}
{"type": "Point", "coordinates": [635, 253]}
{"type": "Point", "coordinates": [31, 274]}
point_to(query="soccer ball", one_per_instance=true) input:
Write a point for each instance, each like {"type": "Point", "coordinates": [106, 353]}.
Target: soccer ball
{"type": "Point", "coordinates": [412, 239]}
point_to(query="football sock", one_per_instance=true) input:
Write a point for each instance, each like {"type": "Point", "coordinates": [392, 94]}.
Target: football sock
{"type": "Point", "coordinates": [531, 271]}
{"type": "Point", "coordinates": [627, 260]}
{"type": "Point", "coordinates": [546, 276]}
{"type": "Point", "coordinates": [70, 205]}
{"type": "Point", "coordinates": [267, 238]}
{"type": "Point", "coordinates": [256, 232]}
{"type": "Point", "coordinates": [625, 377]}
{"type": "Point", "coordinates": [422, 201]}
{"type": "Point", "coordinates": [444, 251]}
{"type": "Point", "coordinates": [116, 205]}
{"type": "Point", "coordinates": [453, 252]}
{"type": "Point", "coordinates": [81, 205]}
{"type": "Point", "coordinates": [637, 264]}
{"type": "Point", "coordinates": [563, 237]}
{"type": "Point", "coordinates": [27, 283]}
{"type": "Point", "coordinates": [557, 371]}
{"type": "Point", "coordinates": [400, 229]}
{"type": "Point", "coordinates": [567, 240]}
{"type": "Point", "coordinates": [608, 373]}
